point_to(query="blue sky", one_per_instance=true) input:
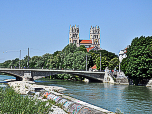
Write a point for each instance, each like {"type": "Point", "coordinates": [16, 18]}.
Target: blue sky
{"type": "Point", "coordinates": [43, 25]}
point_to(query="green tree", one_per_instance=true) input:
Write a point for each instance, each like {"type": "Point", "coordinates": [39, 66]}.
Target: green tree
{"type": "Point", "coordinates": [94, 56]}
{"type": "Point", "coordinates": [113, 63]}
{"type": "Point", "coordinates": [82, 48]}
{"type": "Point", "coordinates": [6, 64]}
{"type": "Point", "coordinates": [14, 63]}
{"type": "Point", "coordinates": [123, 64]}
{"type": "Point", "coordinates": [107, 58]}
{"type": "Point", "coordinates": [79, 61]}
{"type": "Point", "coordinates": [68, 60]}
{"type": "Point", "coordinates": [139, 58]}
{"type": "Point", "coordinates": [45, 58]}
{"type": "Point", "coordinates": [70, 48]}
{"type": "Point", "coordinates": [34, 61]}
{"type": "Point", "coordinates": [53, 62]}
{"type": "Point", "coordinates": [104, 63]}
{"type": "Point", "coordinates": [25, 61]}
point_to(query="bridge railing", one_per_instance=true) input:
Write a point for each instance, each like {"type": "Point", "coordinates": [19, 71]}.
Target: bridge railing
{"type": "Point", "coordinates": [53, 69]}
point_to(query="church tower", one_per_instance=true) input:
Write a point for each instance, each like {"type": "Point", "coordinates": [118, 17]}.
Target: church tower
{"type": "Point", "coordinates": [95, 36]}
{"type": "Point", "coordinates": [74, 35]}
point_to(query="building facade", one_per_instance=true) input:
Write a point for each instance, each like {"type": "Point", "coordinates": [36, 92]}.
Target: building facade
{"type": "Point", "coordinates": [74, 35]}
{"type": "Point", "coordinates": [94, 37]}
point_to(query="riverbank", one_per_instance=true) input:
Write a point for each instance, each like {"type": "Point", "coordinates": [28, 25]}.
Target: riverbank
{"type": "Point", "coordinates": [23, 87]}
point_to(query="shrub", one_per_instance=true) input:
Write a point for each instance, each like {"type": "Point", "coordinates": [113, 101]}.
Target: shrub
{"type": "Point", "coordinates": [11, 102]}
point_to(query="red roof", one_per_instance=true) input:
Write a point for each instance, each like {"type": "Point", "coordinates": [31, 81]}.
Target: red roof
{"type": "Point", "coordinates": [94, 67]}
{"type": "Point", "coordinates": [88, 49]}
{"type": "Point", "coordinates": [86, 42]}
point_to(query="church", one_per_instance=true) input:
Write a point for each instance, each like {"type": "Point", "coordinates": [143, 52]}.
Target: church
{"type": "Point", "coordinates": [92, 44]}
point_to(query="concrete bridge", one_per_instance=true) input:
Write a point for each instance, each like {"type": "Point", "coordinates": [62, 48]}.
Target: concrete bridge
{"type": "Point", "coordinates": [29, 74]}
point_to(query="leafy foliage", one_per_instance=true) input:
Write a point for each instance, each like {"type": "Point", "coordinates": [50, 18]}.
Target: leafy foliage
{"type": "Point", "coordinates": [82, 48]}
{"type": "Point", "coordinates": [104, 63]}
{"type": "Point", "coordinates": [139, 57]}
{"type": "Point", "coordinates": [12, 102]}
{"type": "Point", "coordinates": [107, 59]}
{"type": "Point", "coordinates": [123, 64]}
{"type": "Point", "coordinates": [71, 57]}
{"type": "Point", "coordinates": [113, 63]}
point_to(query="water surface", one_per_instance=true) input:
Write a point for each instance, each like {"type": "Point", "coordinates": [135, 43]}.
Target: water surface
{"type": "Point", "coordinates": [129, 99]}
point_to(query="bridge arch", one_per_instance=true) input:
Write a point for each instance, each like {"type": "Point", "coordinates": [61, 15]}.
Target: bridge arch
{"type": "Point", "coordinates": [21, 73]}
{"type": "Point", "coordinates": [18, 78]}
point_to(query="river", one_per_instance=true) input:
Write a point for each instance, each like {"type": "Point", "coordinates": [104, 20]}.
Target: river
{"type": "Point", "coordinates": [129, 99]}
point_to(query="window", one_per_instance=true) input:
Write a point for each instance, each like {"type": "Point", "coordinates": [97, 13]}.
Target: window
{"type": "Point", "coordinates": [74, 41]}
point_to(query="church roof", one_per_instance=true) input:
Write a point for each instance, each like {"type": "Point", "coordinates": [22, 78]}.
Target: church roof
{"type": "Point", "coordinates": [88, 49]}
{"type": "Point", "coordinates": [86, 42]}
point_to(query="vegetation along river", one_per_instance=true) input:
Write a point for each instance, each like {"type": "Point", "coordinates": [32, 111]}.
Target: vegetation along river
{"type": "Point", "coordinates": [129, 99]}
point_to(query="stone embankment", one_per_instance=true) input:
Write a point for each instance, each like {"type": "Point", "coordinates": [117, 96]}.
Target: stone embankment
{"type": "Point", "coordinates": [64, 104]}
{"type": "Point", "coordinates": [23, 87]}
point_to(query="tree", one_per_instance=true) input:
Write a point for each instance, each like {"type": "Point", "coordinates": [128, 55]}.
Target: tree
{"type": "Point", "coordinates": [45, 58]}
{"type": "Point", "coordinates": [113, 63]}
{"type": "Point", "coordinates": [109, 55]}
{"type": "Point", "coordinates": [82, 48]}
{"type": "Point", "coordinates": [104, 63]}
{"type": "Point", "coordinates": [70, 48]}
{"type": "Point", "coordinates": [6, 64]}
{"type": "Point", "coordinates": [53, 61]}
{"type": "Point", "coordinates": [14, 63]}
{"type": "Point", "coordinates": [25, 61]}
{"type": "Point", "coordinates": [94, 56]}
{"type": "Point", "coordinates": [123, 64]}
{"type": "Point", "coordinates": [54, 54]}
{"type": "Point", "coordinates": [139, 59]}
{"type": "Point", "coordinates": [68, 61]}
{"type": "Point", "coordinates": [34, 61]}
{"type": "Point", "coordinates": [106, 57]}
{"type": "Point", "coordinates": [80, 60]}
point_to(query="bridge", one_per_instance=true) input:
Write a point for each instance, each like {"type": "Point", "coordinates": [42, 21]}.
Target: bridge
{"type": "Point", "coordinates": [29, 74]}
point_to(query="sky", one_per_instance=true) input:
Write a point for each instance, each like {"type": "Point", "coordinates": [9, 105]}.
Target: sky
{"type": "Point", "coordinates": [43, 25]}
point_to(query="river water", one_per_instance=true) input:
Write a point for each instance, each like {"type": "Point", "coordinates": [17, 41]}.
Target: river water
{"type": "Point", "coordinates": [128, 99]}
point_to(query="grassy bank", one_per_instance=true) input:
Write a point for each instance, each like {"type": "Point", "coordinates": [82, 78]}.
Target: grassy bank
{"type": "Point", "coordinates": [13, 103]}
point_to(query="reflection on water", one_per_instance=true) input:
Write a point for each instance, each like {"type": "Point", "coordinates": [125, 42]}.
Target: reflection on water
{"type": "Point", "coordinates": [129, 99]}
{"type": "Point", "coordinates": [5, 77]}
{"type": "Point", "coordinates": [40, 81]}
{"type": "Point", "coordinates": [4, 83]}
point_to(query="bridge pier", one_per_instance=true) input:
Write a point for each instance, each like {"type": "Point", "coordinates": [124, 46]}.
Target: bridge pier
{"type": "Point", "coordinates": [19, 78]}
{"type": "Point", "coordinates": [27, 79]}
{"type": "Point", "coordinates": [28, 76]}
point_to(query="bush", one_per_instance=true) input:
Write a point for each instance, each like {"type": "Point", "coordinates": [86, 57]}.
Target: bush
{"type": "Point", "coordinates": [11, 102]}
